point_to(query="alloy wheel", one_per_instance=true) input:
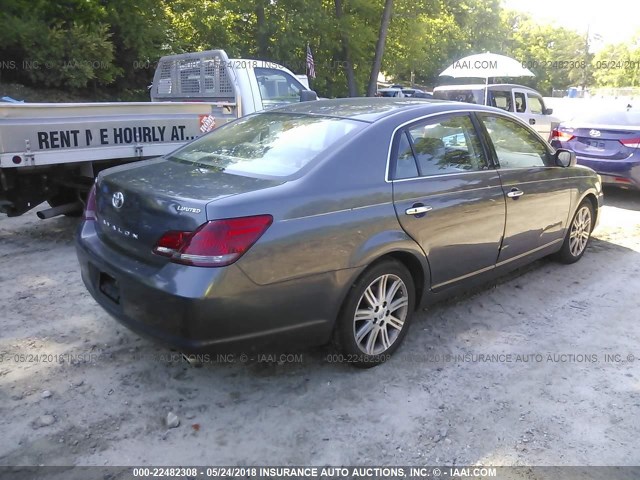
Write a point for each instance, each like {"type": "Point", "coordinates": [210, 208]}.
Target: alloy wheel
{"type": "Point", "coordinates": [380, 314]}
{"type": "Point", "coordinates": [580, 231]}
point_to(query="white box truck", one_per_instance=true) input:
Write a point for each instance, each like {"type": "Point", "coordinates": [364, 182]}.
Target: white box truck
{"type": "Point", "coordinates": [52, 151]}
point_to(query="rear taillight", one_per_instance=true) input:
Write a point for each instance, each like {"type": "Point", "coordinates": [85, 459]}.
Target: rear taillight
{"type": "Point", "coordinates": [631, 142]}
{"type": "Point", "coordinates": [171, 242]}
{"type": "Point", "coordinates": [213, 244]}
{"type": "Point", "coordinates": [90, 208]}
{"type": "Point", "coordinates": [621, 180]}
{"type": "Point", "coordinates": [561, 136]}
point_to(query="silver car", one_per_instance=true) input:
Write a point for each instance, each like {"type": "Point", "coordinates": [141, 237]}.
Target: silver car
{"type": "Point", "coordinates": [329, 220]}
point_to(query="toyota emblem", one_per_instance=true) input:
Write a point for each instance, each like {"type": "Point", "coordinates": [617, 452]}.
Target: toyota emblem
{"type": "Point", "coordinates": [594, 133]}
{"type": "Point", "coordinates": [117, 200]}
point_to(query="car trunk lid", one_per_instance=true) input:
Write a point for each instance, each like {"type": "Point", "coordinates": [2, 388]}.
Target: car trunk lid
{"type": "Point", "coordinates": [137, 205]}
{"type": "Point", "coordinates": [602, 143]}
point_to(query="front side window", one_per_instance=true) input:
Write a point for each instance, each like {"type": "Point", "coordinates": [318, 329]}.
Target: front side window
{"type": "Point", "coordinates": [277, 87]}
{"type": "Point", "coordinates": [437, 147]}
{"type": "Point", "coordinates": [266, 144]}
{"type": "Point", "coordinates": [535, 104]}
{"type": "Point", "coordinates": [515, 145]}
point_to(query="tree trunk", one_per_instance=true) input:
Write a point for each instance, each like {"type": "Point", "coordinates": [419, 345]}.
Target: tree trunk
{"type": "Point", "coordinates": [346, 52]}
{"type": "Point", "coordinates": [262, 36]}
{"type": "Point", "coordinates": [382, 37]}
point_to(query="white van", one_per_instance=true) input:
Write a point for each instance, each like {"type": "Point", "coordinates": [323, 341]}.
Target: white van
{"type": "Point", "coordinates": [523, 102]}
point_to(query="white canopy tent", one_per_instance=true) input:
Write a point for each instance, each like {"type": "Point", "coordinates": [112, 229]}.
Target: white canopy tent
{"type": "Point", "coordinates": [486, 65]}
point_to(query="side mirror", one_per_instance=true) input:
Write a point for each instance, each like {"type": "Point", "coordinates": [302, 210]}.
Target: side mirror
{"type": "Point", "coordinates": [565, 158]}
{"type": "Point", "coordinates": [308, 96]}
{"type": "Point", "coordinates": [548, 111]}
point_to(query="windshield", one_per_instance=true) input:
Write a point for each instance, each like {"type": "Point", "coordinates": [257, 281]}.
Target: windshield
{"type": "Point", "coordinates": [267, 144]}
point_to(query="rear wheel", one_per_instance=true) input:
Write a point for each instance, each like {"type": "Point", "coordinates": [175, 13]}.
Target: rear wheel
{"type": "Point", "coordinates": [376, 314]}
{"type": "Point", "coordinates": [578, 234]}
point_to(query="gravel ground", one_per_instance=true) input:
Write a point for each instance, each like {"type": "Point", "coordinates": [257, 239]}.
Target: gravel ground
{"type": "Point", "coordinates": [560, 389]}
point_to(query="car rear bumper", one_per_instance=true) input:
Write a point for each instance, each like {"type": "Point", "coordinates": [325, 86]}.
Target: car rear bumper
{"type": "Point", "coordinates": [623, 173]}
{"type": "Point", "coordinates": [198, 309]}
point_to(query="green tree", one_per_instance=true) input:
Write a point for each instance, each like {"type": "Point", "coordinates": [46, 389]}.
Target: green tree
{"type": "Point", "coordinates": [556, 55]}
{"type": "Point", "coordinates": [617, 66]}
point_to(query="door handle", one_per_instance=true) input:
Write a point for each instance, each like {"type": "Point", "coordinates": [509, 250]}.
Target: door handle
{"type": "Point", "coordinates": [417, 210]}
{"type": "Point", "coordinates": [515, 193]}
{"type": "Point", "coordinates": [532, 121]}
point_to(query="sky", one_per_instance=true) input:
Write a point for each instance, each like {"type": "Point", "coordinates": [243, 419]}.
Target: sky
{"type": "Point", "coordinates": [614, 20]}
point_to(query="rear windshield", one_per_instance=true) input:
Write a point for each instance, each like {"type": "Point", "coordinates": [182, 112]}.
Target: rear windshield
{"type": "Point", "coordinates": [615, 117]}
{"type": "Point", "coordinates": [267, 144]}
{"type": "Point", "coordinates": [467, 96]}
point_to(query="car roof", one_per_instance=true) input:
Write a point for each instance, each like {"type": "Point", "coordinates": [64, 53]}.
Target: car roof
{"type": "Point", "coordinates": [492, 86]}
{"type": "Point", "coordinates": [372, 109]}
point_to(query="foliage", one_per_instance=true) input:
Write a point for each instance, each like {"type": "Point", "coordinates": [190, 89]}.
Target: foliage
{"type": "Point", "coordinates": [557, 56]}
{"type": "Point", "coordinates": [618, 65]}
{"type": "Point", "coordinates": [114, 44]}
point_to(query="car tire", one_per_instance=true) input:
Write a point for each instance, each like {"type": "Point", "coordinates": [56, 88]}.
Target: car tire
{"type": "Point", "coordinates": [371, 325]}
{"type": "Point", "coordinates": [578, 234]}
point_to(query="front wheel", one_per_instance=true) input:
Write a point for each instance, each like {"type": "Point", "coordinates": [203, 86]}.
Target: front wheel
{"type": "Point", "coordinates": [376, 314]}
{"type": "Point", "coordinates": [578, 234]}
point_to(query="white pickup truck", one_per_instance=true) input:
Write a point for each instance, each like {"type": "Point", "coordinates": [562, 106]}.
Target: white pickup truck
{"type": "Point", "coordinates": [52, 151]}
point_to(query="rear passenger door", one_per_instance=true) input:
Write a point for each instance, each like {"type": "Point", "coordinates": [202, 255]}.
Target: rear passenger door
{"type": "Point", "coordinates": [447, 196]}
{"type": "Point", "coordinates": [538, 193]}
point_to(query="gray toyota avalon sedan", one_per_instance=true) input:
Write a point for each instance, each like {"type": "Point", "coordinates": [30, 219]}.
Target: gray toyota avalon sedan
{"type": "Point", "coordinates": [328, 220]}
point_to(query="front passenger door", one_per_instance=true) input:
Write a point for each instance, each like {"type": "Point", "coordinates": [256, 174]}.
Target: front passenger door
{"type": "Point", "coordinates": [538, 193]}
{"type": "Point", "coordinates": [537, 111]}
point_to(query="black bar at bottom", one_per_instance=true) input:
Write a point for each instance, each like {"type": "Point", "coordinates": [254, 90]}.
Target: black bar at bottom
{"type": "Point", "coordinates": [322, 472]}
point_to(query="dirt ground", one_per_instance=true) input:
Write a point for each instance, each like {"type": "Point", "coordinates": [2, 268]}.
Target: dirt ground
{"type": "Point", "coordinates": [540, 368]}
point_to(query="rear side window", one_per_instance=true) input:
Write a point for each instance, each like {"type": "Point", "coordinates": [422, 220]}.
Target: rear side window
{"type": "Point", "coordinates": [515, 145]}
{"type": "Point", "coordinates": [436, 147]}
{"type": "Point", "coordinates": [406, 164]}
